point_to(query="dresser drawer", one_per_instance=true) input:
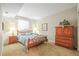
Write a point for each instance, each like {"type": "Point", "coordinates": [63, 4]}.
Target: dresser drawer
{"type": "Point", "coordinates": [65, 40]}
{"type": "Point", "coordinates": [64, 44]}
{"type": "Point", "coordinates": [12, 39]}
{"type": "Point", "coordinates": [64, 37]}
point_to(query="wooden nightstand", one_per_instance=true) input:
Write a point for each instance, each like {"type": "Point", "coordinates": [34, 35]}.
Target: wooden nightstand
{"type": "Point", "coordinates": [12, 39]}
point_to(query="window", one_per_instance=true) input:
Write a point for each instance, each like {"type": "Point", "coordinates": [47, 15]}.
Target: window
{"type": "Point", "coordinates": [23, 25]}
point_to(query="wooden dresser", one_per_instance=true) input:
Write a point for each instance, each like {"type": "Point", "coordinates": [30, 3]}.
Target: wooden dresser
{"type": "Point", "coordinates": [12, 39]}
{"type": "Point", "coordinates": [65, 36]}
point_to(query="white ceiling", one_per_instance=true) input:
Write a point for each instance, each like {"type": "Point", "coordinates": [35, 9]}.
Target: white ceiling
{"type": "Point", "coordinates": [12, 9]}
{"type": "Point", "coordinates": [35, 10]}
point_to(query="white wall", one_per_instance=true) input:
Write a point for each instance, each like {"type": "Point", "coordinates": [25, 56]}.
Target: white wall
{"type": "Point", "coordinates": [13, 22]}
{"type": "Point", "coordinates": [78, 24]}
{"type": "Point", "coordinates": [53, 21]}
{"type": "Point", "coordinates": [8, 23]}
{"type": "Point", "coordinates": [0, 30]}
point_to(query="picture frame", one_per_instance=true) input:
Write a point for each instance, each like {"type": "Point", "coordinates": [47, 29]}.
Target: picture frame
{"type": "Point", "coordinates": [2, 25]}
{"type": "Point", "coordinates": [45, 27]}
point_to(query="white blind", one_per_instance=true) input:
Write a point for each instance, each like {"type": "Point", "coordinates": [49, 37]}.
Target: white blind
{"type": "Point", "coordinates": [23, 25]}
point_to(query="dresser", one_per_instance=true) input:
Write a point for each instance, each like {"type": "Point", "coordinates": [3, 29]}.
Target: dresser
{"type": "Point", "coordinates": [12, 39]}
{"type": "Point", "coordinates": [65, 36]}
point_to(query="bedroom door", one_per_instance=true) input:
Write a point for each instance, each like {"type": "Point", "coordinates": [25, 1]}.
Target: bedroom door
{"type": "Point", "coordinates": [0, 31]}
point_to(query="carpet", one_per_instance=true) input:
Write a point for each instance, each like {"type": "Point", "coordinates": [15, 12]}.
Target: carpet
{"type": "Point", "coordinates": [45, 49]}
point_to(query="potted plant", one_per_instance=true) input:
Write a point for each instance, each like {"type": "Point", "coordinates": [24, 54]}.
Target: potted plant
{"type": "Point", "coordinates": [64, 22]}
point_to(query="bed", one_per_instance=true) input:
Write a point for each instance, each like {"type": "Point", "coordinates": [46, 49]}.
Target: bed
{"type": "Point", "coordinates": [31, 39]}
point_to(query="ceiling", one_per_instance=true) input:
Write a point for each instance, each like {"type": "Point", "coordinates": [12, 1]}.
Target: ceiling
{"type": "Point", "coordinates": [34, 10]}
{"type": "Point", "coordinates": [10, 9]}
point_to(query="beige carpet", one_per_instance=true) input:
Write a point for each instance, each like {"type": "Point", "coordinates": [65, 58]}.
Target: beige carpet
{"type": "Point", "coordinates": [45, 49]}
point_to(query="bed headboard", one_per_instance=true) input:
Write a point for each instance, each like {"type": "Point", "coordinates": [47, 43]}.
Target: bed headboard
{"type": "Point", "coordinates": [24, 31]}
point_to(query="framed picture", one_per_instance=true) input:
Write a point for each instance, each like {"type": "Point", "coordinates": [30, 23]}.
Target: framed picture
{"type": "Point", "coordinates": [45, 27]}
{"type": "Point", "coordinates": [2, 25]}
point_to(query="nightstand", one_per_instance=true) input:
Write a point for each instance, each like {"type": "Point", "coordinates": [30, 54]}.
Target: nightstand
{"type": "Point", "coordinates": [12, 39]}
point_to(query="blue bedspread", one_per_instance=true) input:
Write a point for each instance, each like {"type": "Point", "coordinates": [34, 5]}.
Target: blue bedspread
{"type": "Point", "coordinates": [23, 38]}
